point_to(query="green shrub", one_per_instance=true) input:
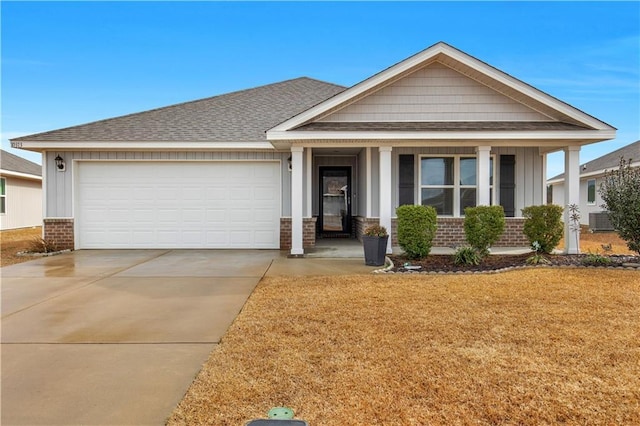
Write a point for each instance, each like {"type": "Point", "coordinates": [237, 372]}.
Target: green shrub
{"type": "Point", "coordinates": [416, 229]}
{"type": "Point", "coordinates": [544, 225]}
{"type": "Point", "coordinates": [620, 192]}
{"type": "Point", "coordinates": [466, 256]}
{"type": "Point", "coordinates": [537, 258]}
{"type": "Point", "coordinates": [483, 225]}
{"type": "Point", "coordinates": [595, 259]}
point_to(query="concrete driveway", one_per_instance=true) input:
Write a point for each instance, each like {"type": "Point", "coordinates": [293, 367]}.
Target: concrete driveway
{"type": "Point", "coordinates": [115, 337]}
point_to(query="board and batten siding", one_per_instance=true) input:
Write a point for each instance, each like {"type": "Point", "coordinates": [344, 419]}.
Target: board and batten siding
{"type": "Point", "coordinates": [59, 199]}
{"type": "Point", "coordinates": [435, 93]}
{"type": "Point", "coordinates": [23, 203]}
{"type": "Point", "coordinates": [529, 171]}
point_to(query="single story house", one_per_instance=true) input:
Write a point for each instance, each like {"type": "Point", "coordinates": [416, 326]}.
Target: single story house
{"type": "Point", "coordinates": [591, 176]}
{"type": "Point", "coordinates": [20, 192]}
{"type": "Point", "coordinates": [280, 165]}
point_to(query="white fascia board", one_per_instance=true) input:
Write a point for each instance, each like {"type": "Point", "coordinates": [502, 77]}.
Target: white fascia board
{"type": "Point", "coordinates": [422, 58]}
{"type": "Point", "coordinates": [143, 146]}
{"type": "Point", "coordinates": [358, 89]}
{"type": "Point", "coordinates": [595, 173]}
{"type": "Point", "coordinates": [586, 135]}
{"type": "Point", "coordinates": [527, 90]}
{"type": "Point", "coordinates": [11, 173]}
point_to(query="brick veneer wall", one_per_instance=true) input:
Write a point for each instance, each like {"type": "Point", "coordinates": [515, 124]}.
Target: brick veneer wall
{"type": "Point", "coordinates": [451, 232]}
{"type": "Point", "coordinates": [60, 231]}
{"type": "Point", "coordinates": [363, 222]}
{"type": "Point", "coordinates": [308, 232]}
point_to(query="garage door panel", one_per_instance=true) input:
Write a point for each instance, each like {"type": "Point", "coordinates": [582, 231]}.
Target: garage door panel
{"type": "Point", "coordinates": [178, 204]}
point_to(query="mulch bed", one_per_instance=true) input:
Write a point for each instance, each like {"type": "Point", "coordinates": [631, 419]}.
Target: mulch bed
{"type": "Point", "coordinates": [445, 264]}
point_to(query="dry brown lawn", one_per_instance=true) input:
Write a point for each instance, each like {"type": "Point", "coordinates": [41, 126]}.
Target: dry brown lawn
{"type": "Point", "coordinates": [16, 240]}
{"type": "Point", "coordinates": [530, 347]}
{"type": "Point", "coordinates": [593, 242]}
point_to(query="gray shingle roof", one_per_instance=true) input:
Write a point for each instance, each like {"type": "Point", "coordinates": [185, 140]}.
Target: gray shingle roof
{"type": "Point", "coordinates": [242, 116]}
{"type": "Point", "coordinates": [440, 126]}
{"type": "Point", "coordinates": [11, 162]}
{"type": "Point", "coordinates": [610, 160]}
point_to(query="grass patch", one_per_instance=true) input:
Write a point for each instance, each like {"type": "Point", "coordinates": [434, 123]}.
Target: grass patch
{"type": "Point", "coordinates": [535, 346]}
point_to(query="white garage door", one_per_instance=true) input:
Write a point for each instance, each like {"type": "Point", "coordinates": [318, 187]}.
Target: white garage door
{"type": "Point", "coordinates": [178, 205]}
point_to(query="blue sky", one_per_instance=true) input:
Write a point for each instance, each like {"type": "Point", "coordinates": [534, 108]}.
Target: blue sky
{"type": "Point", "coordinates": [68, 63]}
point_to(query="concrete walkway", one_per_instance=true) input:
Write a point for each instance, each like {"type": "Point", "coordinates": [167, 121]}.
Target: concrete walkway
{"type": "Point", "coordinates": [115, 337]}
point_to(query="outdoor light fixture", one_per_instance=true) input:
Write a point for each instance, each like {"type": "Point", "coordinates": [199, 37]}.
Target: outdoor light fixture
{"type": "Point", "coordinates": [289, 163]}
{"type": "Point", "coordinates": [60, 164]}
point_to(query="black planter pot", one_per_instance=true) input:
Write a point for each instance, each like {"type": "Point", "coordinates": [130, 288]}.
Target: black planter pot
{"type": "Point", "coordinates": [375, 250]}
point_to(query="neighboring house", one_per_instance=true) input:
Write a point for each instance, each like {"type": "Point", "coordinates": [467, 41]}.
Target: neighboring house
{"type": "Point", "coordinates": [278, 166]}
{"type": "Point", "coordinates": [591, 176]}
{"type": "Point", "coordinates": [20, 192]}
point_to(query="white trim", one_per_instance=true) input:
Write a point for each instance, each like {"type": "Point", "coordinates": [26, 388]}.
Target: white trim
{"type": "Point", "coordinates": [11, 173]}
{"type": "Point", "coordinates": [369, 180]}
{"type": "Point", "coordinates": [418, 61]}
{"type": "Point", "coordinates": [385, 188]}
{"type": "Point", "coordinates": [483, 185]}
{"type": "Point", "coordinates": [297, 246]}
{"type": "Point", "coordinates": [544, 178]}
{"type": "Point", "coordinates": [309, 189]}
{"type": "Point", "coordinates": [456, 180]}
{"type": "Point", "coordinates": [580, 136]}
{"type": "Point", "coordinates": [44, 187]}
{"type": "Point", "coordinates": [594, 173]}
{"type": "Point", "coordinates": [571, 196]}
{"type": "Point", "coordinates": [143, 145]}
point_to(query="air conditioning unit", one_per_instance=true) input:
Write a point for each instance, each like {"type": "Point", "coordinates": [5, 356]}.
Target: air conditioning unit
{"type": "Point", "coordinates": [599, 221]}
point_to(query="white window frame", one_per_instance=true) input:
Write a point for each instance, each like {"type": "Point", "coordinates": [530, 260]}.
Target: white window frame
{"type": "Point", "coordinates": [456, 180]}
{"type": "Point", "coordinates": [592, 203]}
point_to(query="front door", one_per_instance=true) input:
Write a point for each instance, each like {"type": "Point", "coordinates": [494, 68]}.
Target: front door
{"type": "Point", "coordinates": [335, 201]}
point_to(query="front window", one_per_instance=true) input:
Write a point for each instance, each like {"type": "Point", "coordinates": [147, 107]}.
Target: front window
{"type": "Point", "coordinates": [591, 192]}
{"type": "Point", "coordinates": [438, 184]}
{"type": "Point", "coordinates": [449, 184]}
{"type": "Point", "coordinates": [3, 196]}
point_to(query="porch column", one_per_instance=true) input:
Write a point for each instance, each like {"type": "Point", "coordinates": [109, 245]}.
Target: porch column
{"type": "Point", "coordinates": [571, 196]}
{"type": "Point", "coordinates": [385, 191]}
{"type": "Point", "coordinates": [544, 178]}
{"type": "Point", "coordinates": [309, 191]}
{"type": "Point", "coordinates": [297, 200]}
{"type": "Point", "coordinates": [483, 191]}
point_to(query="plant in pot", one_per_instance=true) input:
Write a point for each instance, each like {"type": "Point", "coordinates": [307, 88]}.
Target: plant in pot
{"type": "Point", "coordinates": [375, 239]}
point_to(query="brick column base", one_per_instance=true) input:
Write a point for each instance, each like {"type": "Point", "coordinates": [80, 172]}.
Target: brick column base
{"type": "Point", "coordinates": [364, 222]}
{"type": "Point", "coordinates": [60, 231]}
{"type": "Point", "coordinates": [308, 232]}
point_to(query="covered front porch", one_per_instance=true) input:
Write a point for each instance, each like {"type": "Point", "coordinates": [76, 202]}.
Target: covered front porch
{"type": "Point", "coordinates": [440, 128]}
{"type": "Point", "coordinates": [337, 191]}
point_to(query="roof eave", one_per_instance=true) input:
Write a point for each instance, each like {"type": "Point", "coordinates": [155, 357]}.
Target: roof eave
{"type": "Point", "coordinates": [600, 172]}
{"type": "Point", "coordinates": [13, 173]}
{"type": "Point", "coordinates": [40, 146]}
{"type": "Point", "coordinates": [589, 136]}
